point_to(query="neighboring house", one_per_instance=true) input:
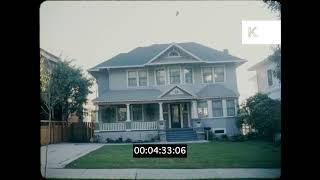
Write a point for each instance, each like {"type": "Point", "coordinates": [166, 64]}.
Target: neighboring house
{"type": "Point", "coordinates": [50, 62]}
{"type": "Point", "coordinates": [171, 91]}
{"type": "Point", "coordinates": [266, 81]}
{"type": "Point", "coordinates": [50, 59]}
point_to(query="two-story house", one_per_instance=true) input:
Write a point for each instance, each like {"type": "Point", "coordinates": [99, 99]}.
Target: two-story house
{"type": "Point", "coordinates": [169, 91]}
{"type": "Point", "coordinates": [266, 81]}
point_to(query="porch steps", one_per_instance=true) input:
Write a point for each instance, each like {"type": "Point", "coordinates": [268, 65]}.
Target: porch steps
{"type": "Point", "coordinates": [181, 134]}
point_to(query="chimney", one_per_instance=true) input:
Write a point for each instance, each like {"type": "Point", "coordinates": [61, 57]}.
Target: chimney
{"type": "Point", "coordinates": [226, 51]}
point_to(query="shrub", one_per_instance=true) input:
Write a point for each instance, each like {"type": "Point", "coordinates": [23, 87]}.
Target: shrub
{"type": "Point", "coordinates": [128, 140]}
{"type": "Point", "coordinates": [156, 138]}
{"type": "Point", "coordinates": [238, 138]}
{"type": "Point", "coordinates": [261, 113]}
{"type": "Point", "coordinates": [224, 137]}
{"type": "Point", "coordinates": [211, 136]}
{"type": "Point", "coordinates": [108, 140]}
{"type": "Point", "coordinates": [119, 140]}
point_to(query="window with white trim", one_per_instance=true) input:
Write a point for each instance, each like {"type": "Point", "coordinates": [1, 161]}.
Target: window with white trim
{"type": "Point", "coordinates": [188, 79]}
{"type": "Point", "coordinates": [142, 78]}
{"type": "Point", "coordinates": [137, 78]}
{"type": "Point", "coordinates": [160, 76]}
{"type": "Point", "coordinates": [213, 74]}
{"type": "Point", "coordinates": [207, 74]}
{"type": "Point", "coordinates": [217, 108]}
{"type": "Point", "coordinates": [219, 74]}
{"type": "Point", "coordinates": [174, 74]}
{"type": "Point", "coordinates": [230, 107]}
{"type": "Point", "coordinates": [132, 78]}
{"type": "Point", "coordinates": [202, 109]}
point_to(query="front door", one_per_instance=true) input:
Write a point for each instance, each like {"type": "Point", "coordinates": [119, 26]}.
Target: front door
{"type": "Point", "coordinates": [175, 116]}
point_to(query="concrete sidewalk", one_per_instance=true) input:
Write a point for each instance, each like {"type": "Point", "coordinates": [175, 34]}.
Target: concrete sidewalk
{"type": "Point", "coordinates": [162, 173]}
{"type": "Point", "coordinates": [61, 154]}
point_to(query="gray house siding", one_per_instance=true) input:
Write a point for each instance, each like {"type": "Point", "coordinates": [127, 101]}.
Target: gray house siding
{"type": "Point", "coordinates": [118, 79]}
{"type": "Point", "coordinates": [226, 122]}
{"type": "Point", "coordinates": [102, 79]}
{"type": "Point", "coordinates": [231, 77]}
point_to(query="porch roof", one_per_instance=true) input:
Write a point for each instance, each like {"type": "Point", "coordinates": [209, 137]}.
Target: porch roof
{"type": "Point", "coordinates": [216, 90]}
{"type": "Point", "coordinates": [149, 95]}
{"type": "Point", "coordinates": [128, 95]}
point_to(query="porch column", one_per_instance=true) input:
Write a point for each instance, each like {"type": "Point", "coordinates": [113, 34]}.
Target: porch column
{"type": "Point", "coordinates": [210, 113]}
{"type": "Point", "coordinates": [128, 112]}
{"type": "Point", "coordinates": [97, 114]}
{"type": "Point", "coordinates": [160, 112]}
{"type": "Point", "coordinates": [194, 111]}
{"type": "Point", "coordinates": [224, 107]}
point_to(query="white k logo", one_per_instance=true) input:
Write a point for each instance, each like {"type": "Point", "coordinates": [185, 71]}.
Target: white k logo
{"type": "Point", "coordinates": [251, 32]}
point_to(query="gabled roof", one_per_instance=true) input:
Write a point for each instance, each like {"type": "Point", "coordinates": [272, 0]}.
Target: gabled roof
{"type": "Point", "coordinates": [142, 55]}
{"type": "Point", "coordinates": [49, 56]}
{"type": "Point", "coordinates": [185, 92]}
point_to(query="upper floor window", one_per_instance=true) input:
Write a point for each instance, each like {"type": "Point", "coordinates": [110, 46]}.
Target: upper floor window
{"type": "Point", "coordinates": [202, 109]}
{"type": "Point", "coordinates": [207, 75]}
{"type": "Point", "coordinates": [132, 78]}
{"type": "Point", "coordinates": [188, 75]}
{"type": "Point", "coordinates": [219, 74]}
{"type": "Point", "coordinates": [160, 76]}
{"type": "Point", "coordinates": [213, 74]}
{"type": "Point", "coordinates": [137, 78]}
{"type": "Point", "coordinates": [142, 78]}
{"type": "Point", "coordinates": [174, 74]}
{"type": "Point", "coordinates": [230, 107]}
{"type": "Point", "coordinates": [217, 108]}
{"type": "Point", "coordinates": [270, 82]}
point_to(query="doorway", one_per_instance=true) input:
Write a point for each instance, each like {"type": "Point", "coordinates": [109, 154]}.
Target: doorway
{"type": "Point", "coordinates": [179, 115]}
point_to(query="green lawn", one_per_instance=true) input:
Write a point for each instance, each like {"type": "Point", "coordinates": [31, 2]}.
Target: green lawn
{"type": "Point", "coordinates": [249, 154]}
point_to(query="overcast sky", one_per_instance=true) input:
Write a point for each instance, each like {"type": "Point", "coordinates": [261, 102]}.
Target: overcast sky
{"type": "Point", "coordinates": [92, 32]}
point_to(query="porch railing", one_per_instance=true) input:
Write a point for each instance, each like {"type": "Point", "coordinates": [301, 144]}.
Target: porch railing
{"type": "Point", "coordinates": [121, 126]}
{"type": "Point", "coordinates": [140, 125]}
{"type": "Point", "coordinates": [135, 125]}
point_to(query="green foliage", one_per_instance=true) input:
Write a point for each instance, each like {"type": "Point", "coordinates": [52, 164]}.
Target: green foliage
{"type": "Point", "coordinates": [224, 137]}
{"type": "Point", "coordinates": [273, 5]}
{"type": "Point", "coordinates": [66, 86]}
{"type": "Point", "coordinates": [239, 138]}
{"type": "Point", "coordinates": [261, 113]}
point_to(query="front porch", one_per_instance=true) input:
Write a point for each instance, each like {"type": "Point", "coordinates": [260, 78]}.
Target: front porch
{"type": "Point", "coordinates": [143, 116]}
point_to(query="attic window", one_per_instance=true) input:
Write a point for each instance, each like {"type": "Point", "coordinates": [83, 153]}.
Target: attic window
{"type": "Point", "coordinates": [173, 54]}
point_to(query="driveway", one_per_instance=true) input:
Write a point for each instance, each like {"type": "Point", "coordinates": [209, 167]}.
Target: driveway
{"type": "Point", "coordinates": [61, 154]}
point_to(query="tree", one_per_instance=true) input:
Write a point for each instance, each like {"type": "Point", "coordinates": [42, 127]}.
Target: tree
{"type": "Point", "coordinates": [65, 86]}
{"type": "Point", "coordinates": [273, 5]}
{"type": "Point", "coordinates": [70, 88]}
{"type": "Point", "coordinates": [261, 113]}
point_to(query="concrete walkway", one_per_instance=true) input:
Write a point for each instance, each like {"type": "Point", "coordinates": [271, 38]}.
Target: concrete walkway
{"type": "Point", "coordinates": [61, 154]}
{"type": "Point", "coordinates": [162, 173]}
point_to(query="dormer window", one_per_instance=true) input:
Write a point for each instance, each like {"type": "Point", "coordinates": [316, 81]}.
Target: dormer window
{"type": "Point", "coordinates": [173, 54]}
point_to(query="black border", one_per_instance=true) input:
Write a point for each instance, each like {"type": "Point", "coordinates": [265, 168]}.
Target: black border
{"type": "Point", "coordinates": [22, 90]}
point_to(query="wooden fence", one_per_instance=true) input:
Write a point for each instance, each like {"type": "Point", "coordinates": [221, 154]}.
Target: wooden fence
{"type": "Point", "coordinates": [65, 132]}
